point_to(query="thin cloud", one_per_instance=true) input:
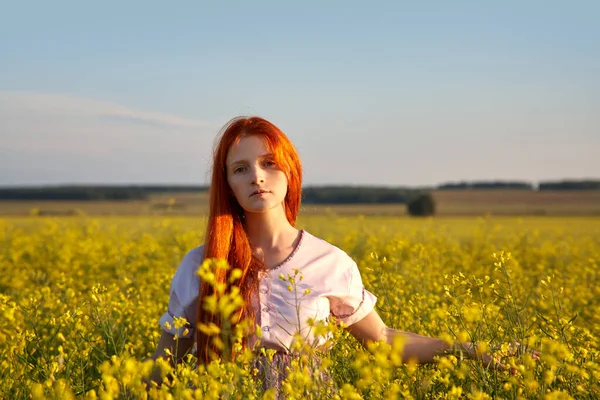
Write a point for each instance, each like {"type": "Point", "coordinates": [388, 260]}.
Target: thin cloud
{"type": "Point", "coordinates": [53, 138]}
{"type": "Point", "coordinates": [41, 122]}
{"type": "Point", "coordinates": [66, 105]}
{"type": "Point", "coordinates": [129, 120]}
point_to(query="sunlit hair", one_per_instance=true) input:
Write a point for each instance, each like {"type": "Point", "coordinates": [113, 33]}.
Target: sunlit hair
{"type": "Point", "coordinates": [225, 235]}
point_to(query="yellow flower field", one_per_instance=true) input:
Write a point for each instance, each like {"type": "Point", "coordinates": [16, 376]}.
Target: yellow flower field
{"type": "Point", "coordinates": [80, 300]}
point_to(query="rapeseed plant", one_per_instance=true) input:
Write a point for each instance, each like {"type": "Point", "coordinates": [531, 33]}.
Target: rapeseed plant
{"type": "Point", "coordinates": [80, 299]}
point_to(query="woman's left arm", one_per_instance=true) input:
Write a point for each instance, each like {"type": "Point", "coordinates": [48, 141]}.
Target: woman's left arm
{"type": "Point", "coordinates": [420, 348]}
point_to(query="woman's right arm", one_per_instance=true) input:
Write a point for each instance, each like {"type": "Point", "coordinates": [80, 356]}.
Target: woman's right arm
{"type": "Point", "coordinates": [178, 348]}
{"type": "Point", "coordinates": [183, 300]}
{"type": "Point", "coordinates": [170, 349]}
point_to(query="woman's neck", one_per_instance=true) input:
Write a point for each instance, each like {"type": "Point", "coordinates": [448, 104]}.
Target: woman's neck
{"type": "Point", "coordinates": [270, 230]}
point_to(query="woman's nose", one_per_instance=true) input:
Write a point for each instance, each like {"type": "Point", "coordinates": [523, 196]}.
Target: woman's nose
{"type": "Point", "coordinates": [258, 175]}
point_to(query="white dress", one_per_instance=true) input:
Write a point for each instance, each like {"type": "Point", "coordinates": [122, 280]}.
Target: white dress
{"type": "Point", "coordinates": [334, 288]}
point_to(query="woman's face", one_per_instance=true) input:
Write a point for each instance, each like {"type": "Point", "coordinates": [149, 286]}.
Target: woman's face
{"type": "Point", "coordinates": [258, 184]}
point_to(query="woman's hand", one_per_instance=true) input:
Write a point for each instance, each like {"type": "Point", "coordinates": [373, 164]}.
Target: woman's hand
{"type": "Point", "coordinates": [495, 359]}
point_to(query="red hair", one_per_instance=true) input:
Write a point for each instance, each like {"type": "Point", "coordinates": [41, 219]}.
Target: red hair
{"type": "Point", "coordinates": [225, 234]}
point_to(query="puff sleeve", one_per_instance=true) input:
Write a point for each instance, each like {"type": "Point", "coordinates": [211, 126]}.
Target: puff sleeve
{"type": "Point", "coordinates": [351, 301]}
{"type": "Point", "coordinates": [183, 294]}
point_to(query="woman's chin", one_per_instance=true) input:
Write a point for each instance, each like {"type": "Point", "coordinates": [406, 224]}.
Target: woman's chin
{"type": "Point", "coordinates": [264, 208]}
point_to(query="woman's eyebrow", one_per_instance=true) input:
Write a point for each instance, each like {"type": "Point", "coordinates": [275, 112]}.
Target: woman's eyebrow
{"type": "Point", "coordinates": [238, 162]}
{"type": "Point", "coordinates": [244, 161]}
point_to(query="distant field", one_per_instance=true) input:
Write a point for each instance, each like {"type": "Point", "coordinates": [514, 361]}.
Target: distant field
{"type": "Point", "coordinates": [511, 202]}
{"type": "Point", "coordinates": [163, 204]}
{"type": "Point", "coordinates": [448, 203]}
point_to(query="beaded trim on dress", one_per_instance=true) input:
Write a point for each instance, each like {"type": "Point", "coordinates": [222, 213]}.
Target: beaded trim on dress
{"type": "Point", "coordinates": [281, 264]}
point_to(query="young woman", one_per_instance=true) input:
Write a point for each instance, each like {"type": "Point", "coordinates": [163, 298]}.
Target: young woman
{"type": "Point", "coordinates": [255, 196]}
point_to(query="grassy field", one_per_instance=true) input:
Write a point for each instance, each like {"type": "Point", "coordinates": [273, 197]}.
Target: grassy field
{"type": "Point", "coordinates": [448, 203]}
{"type": "Point", "coordinates": [80, 300]}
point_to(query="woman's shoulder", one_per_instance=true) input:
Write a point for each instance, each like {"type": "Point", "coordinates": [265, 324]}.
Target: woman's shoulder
{"type": "Point", "coordinates": [326, 262]}
{"type": "Point", "coordinates": [195, 254]}
{"type": "Point", "coordinates": [191, 261]}
{"type": "Point", "coordinates": [321, 246]}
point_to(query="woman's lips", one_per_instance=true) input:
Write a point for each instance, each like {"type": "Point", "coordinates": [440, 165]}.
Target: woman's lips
{"type": "Point", "coordinates": [259, 193]}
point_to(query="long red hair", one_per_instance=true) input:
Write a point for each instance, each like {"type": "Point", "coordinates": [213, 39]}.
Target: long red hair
{"type": "Point", "coordinates": [225, 234]}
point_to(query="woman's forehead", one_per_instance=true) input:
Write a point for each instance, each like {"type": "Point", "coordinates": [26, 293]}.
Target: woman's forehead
{"type": "Point", "coordinates": [248, 147]}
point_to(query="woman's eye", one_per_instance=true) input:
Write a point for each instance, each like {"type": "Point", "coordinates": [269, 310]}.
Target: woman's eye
{"type": "Point", "coordinates": [238, 169]}
{"type": "Point", "coordinates": [269, 163]}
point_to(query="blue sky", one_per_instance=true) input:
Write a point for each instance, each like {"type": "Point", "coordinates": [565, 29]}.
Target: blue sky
{"type": "Point", "coordinates": [391, 93]}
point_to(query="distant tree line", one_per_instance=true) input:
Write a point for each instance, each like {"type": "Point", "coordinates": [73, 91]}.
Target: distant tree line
{"type": "Point", "coordinates": [487, 185]}
{"type": "Point", "coordinates": [92, 192]}
{"type": "Point", "coordinates": [519, 185]}
{"type": "Point", "coordinates": [354, 195]}
{"type": "Point", "coordinates": [173, 188]}
{"type": "Point", "coordinates": [75, 193]}
{"type": "Point", "coordinates": [311, 194]}
{"type": "Point", "coordinates": [570, 185]}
